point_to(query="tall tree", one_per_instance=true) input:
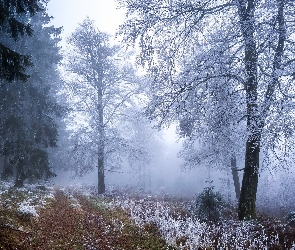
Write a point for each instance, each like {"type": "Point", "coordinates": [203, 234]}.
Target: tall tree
{"type": "Point", "coordinates": [255, 62]}
{"type": "Point", "coordinates": [101, 88]}
{"type": "Point", "coordinates": [12, 62]}
{"type": "Point", "coordinates": [29, 111]}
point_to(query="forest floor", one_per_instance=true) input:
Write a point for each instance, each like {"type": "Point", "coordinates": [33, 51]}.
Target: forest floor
{"type": "Point", "coordinates": [41, 217]}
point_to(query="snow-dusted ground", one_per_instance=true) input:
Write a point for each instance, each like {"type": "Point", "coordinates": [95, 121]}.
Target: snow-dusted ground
{"type": "Point", "coordinates": [30, 198]}
{"type": "Point", "coordinates": [178, 228]}
{"type": "Point", "coordinates": [186, 232]}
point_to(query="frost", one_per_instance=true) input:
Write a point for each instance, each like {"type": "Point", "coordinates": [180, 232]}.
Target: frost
{"type": "Point", "coordinates": [74, 203]}
{"type": "Point", "coordinates": [26, 200]}
{"type": "Point", "coordinates": [172, 227]}
{"type": "Point", "coordinates": [4, 186]}
{"type": "Point", "coordinates": [25, 208]}
{"type": "Point", "coordinates": [184, 231]}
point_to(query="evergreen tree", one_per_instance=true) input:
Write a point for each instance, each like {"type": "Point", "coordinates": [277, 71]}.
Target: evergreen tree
{"type": "Point", "coordinates": [28, 126]}
{"type": "Point", "coordinates": [13, 63]}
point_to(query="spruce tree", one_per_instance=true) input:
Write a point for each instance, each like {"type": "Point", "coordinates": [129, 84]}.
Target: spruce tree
{"type": "Point", "coordinates": [28, 127]}
{"type": "Point", "coordinates": [13, 63]}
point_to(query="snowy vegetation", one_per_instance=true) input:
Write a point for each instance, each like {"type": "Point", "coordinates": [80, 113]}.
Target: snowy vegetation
{"type": "Point", "coordinates": [32, 217]}
{"type": "Point", "coordinates": [220, 72]}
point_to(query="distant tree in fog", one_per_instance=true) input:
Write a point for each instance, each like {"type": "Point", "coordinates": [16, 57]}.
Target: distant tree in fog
{"type": "Point", "coordinates": [146, 143]}
{"type": "Point", "coordinates": [100, 87]}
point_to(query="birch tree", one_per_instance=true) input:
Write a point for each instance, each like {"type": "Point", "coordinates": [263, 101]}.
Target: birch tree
{"type": "Point", "coordinates": [245, 46]}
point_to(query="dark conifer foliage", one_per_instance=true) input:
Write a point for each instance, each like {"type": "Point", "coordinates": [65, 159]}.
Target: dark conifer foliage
{"type": "Point", "coordinates": [12, 62]}
{"type": "Point", "coordinates": [29, 110]}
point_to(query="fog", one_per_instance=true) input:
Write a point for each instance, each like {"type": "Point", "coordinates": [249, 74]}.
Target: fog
{"type": "Point", "coordinates": [147, 124]}
{"type": "Point", "coordinates": [115, 114]}
{"type": "Point", "coordinates": [163, 176]}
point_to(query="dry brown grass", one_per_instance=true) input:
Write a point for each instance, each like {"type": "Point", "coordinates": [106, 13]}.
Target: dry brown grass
{"type": "Point", "coordinates": [76, 222]}
{"type": "Point", "coordinates": [61, 225]}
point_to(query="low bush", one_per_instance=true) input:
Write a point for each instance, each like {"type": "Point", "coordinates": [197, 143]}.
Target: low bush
{"type": "Point", "coordinates": [209, 205]}
{"type": "Point", "coordinates": [290, 217]}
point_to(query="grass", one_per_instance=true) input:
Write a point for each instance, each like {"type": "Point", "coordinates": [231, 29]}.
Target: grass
{"type": "Point", "coordinates": [70, 222]}
{"type": "Point", "coordinates": [49, 219]}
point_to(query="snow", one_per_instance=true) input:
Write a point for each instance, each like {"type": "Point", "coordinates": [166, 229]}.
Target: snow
{"type": "Point", "coordinates": [25, 208]}
{"type": "Point", "coordinates": [176, 225]}
{"type": "Point", "coordinates": [187, 232]}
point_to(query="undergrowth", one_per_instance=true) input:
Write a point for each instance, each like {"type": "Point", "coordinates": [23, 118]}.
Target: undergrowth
{"type": "Point", "coordinates": [33, 218]}
{"type": "Point", "coordinates": [69, 221]}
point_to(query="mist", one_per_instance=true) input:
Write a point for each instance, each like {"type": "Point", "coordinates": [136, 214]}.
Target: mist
{"type": "Point", "coordinates": [147, 124]}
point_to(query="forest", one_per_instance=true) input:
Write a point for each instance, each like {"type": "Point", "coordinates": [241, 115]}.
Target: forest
{"type": "Point", "coordinates": [176, 132]}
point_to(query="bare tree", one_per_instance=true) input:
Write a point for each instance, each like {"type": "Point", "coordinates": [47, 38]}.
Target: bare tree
{"type": "Point", "coordinates": [195, 50]}
{"type": "Point", "coordinates": [100, 86]}
{"type": "Point", "coordinates": [91, 64]}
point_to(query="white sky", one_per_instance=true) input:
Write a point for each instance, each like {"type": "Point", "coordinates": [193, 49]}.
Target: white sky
{"type": "Point", "coordinates": [68, 13]}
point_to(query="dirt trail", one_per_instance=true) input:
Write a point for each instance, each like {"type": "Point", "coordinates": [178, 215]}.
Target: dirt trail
{"type": "Point", "coordinates": [68, 225]}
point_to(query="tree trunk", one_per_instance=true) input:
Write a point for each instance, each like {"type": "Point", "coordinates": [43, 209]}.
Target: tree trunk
{"type": "Point", "coordinates": [254, 125]}
{"type": "Point", "coordinates": [247, 202]}
{"type": "Point", "coordinates": [101, 179]}
{"type": "Point", "coordinates": [101, 141]}
{"type": "Point", "coordinates": [255, 118]}
{"type": "Point", "coordinates": [101, 183]}
{"type": "Point", "coordinates": [235, 177]}
{"type": "Point", "coordinates": [20, 174]}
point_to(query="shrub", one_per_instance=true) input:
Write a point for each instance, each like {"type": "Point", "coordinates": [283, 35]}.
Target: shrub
{"type": "Point", "coordinates": [290, 217]}
{"type": "Point", "coordinates": [209, 205]}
